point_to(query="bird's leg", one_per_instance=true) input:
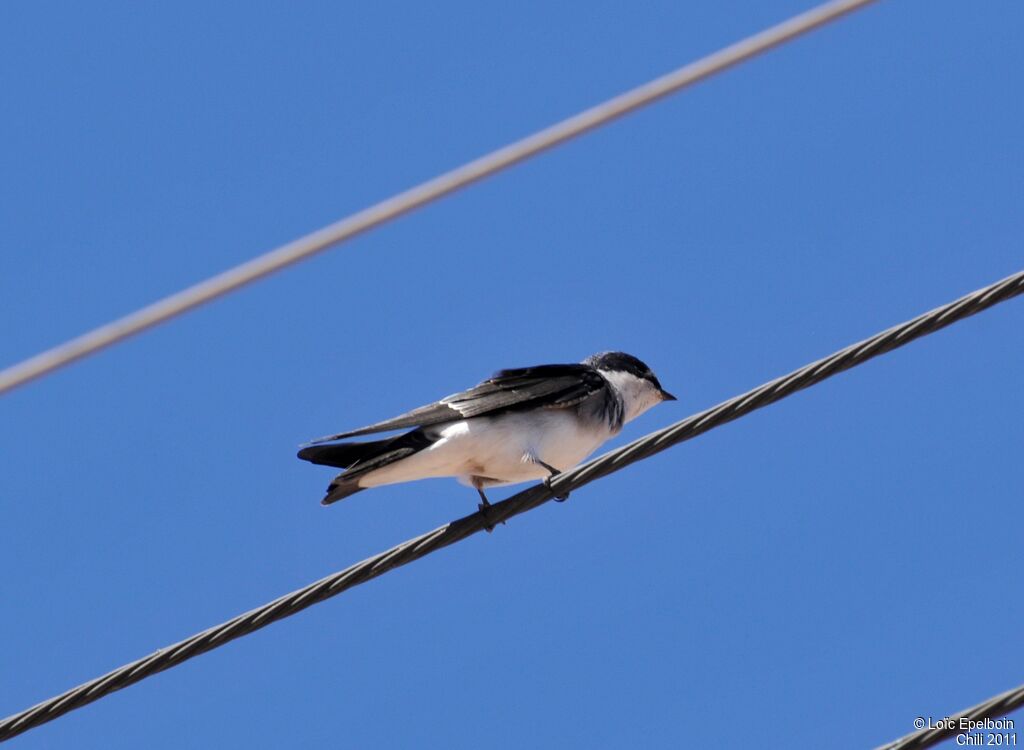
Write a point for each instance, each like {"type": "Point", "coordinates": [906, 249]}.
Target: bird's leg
{"type": "Point", "coordinates": [485, 505]}
{"type": "Point", "coordinates": [554, 473]}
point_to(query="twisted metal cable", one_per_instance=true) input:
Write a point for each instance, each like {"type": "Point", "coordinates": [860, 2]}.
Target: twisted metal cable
{"type": "Point", "coordinates": [521, 502]}
{"type": "Point", "coordinates": [993, 708]}
{"type": "Point", "coordinates": [422, 194]}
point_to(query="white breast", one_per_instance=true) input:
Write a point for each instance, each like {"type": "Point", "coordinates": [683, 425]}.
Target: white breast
{"type": "Point", "coordinates": [501, 449]}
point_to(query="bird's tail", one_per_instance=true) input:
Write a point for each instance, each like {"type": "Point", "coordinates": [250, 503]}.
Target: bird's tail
{"type": "Point", "coordinates": [341, 488]}
{"type": "Point", "coordinates": [342, 456]}
{"type": "Point", "coordinates": [359, 459]}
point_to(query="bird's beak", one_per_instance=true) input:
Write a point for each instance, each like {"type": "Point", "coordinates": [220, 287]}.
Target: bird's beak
{"type": "Point", "coordinates": [666, 396]}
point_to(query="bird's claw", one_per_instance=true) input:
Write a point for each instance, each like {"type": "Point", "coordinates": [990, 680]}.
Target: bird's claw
{"type": "Point", "coordinates": [553, 473]}
{"type": "Point", "coordinates": [485, 511]}
{"type": "Point", "coordinates": [557, 498]}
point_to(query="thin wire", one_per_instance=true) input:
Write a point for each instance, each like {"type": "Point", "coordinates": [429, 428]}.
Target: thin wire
{"type": "Point", "coordinates": [424, 193]}
{"type": "Point", "coordinates": [993, 708]}
{"type": "Point", "coordinates": [521, 502]}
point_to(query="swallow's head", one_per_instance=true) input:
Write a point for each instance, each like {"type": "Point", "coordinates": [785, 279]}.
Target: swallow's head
{"type": "Point", "coordinates": [635, 382]}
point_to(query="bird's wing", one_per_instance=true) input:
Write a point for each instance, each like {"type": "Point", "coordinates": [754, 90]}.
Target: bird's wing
{"type": "Point", "coordinates": [545, 386]}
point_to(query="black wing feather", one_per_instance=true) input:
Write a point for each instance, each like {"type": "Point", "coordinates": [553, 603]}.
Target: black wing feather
{"type": "Point", "coordinates": [557, 386]}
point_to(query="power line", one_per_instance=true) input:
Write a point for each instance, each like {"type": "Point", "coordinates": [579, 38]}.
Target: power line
{"type": "Point", "coordinates": [521, 502]}
{"type": "Point", "coordinates": [424, 193]}
{"type": "Point", "coordinates": [994, 707]}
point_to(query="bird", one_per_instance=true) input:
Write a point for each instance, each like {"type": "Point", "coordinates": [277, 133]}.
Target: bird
{"type": "Point", "coordinates": [518, 425]}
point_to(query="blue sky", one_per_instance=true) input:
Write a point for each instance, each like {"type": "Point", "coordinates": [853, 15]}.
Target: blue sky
{"type": "Point", "coordinates": [830, 567]}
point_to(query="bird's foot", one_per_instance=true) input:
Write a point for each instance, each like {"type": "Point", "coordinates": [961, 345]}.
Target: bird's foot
{"type": "Point", "coordinates": [553, 473]}
{"type": "Point", "coordinates": [557, 498]}
{"type": "Point", "coordinates": [485, 510]}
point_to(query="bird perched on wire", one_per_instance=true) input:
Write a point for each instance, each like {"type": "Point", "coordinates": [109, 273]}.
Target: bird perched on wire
{"type": "Point", "coordinates": [518, 425]}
